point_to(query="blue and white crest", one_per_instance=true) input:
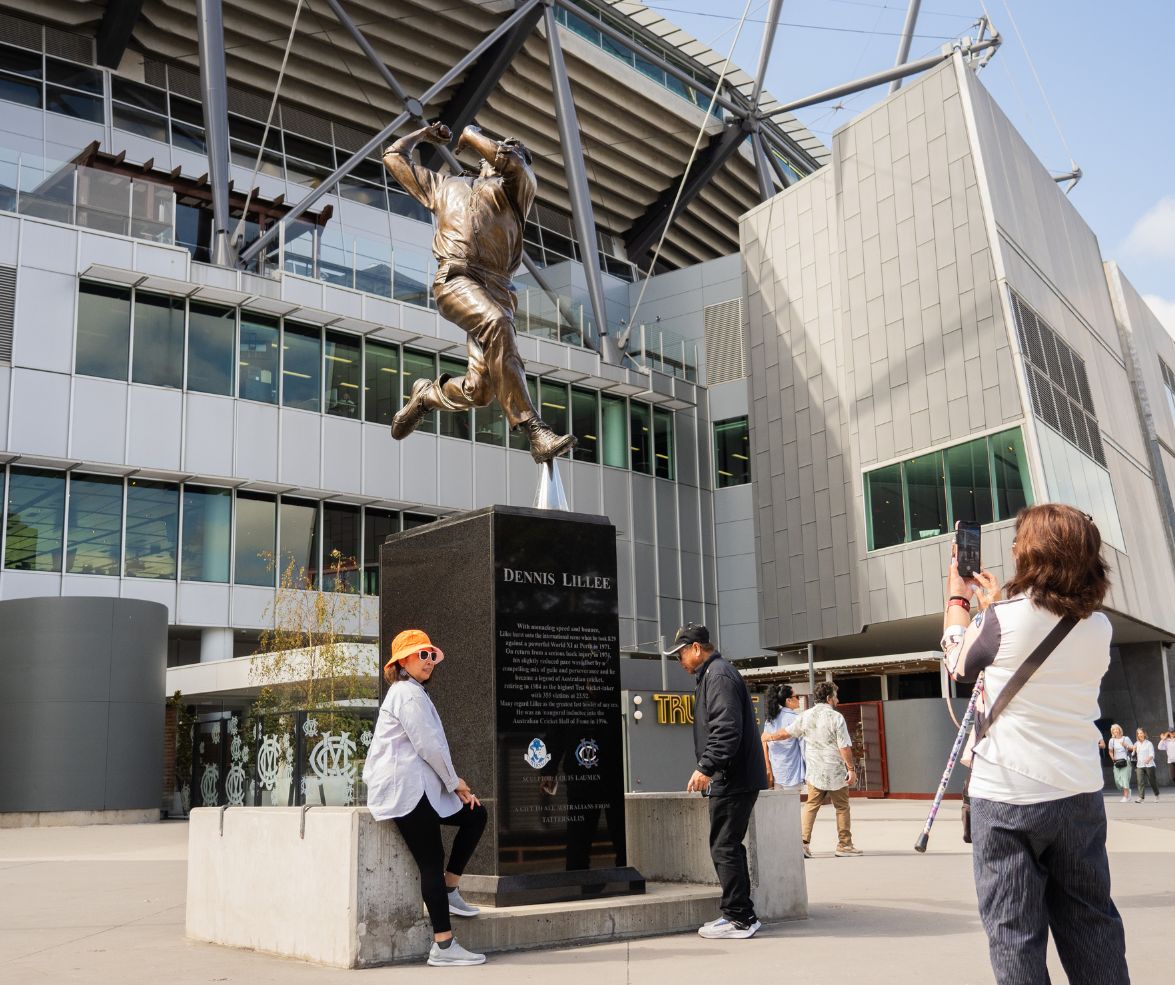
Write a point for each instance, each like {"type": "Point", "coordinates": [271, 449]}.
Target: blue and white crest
{"type": "Point", "coordinates": [536, 754]}
{"type": "Point", "coordinates": [588, 753]}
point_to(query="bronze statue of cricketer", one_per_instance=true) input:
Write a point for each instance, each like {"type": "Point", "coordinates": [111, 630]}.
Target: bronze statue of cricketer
{"type": "Point", "coordinates": [478, 246]}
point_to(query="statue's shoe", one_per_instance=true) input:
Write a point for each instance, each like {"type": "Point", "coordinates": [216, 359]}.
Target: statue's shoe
{"type": "Point", "coordinates": [412, 413]}
{"type": "Point", "coordinates": [545, 443]}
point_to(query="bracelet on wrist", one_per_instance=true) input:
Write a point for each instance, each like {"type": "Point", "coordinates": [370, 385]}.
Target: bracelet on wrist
{"type": "Point", "coordinates": [962, 603]}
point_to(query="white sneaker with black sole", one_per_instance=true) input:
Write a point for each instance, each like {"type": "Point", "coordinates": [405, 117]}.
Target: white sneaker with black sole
{"type": "Point", "coordinates": [454, 956]}
{"type": "Point", "coordinates": [459, 908]}
{"type": "Point", "coordinates": [724, 929]}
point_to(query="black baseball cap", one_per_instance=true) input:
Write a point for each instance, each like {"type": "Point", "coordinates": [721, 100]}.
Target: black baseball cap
{"type": "Point", "coordinates": [690, 633]}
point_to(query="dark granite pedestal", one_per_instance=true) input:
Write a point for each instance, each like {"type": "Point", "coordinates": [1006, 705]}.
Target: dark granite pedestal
{"type": "Point", "coordinates": [523, 602]}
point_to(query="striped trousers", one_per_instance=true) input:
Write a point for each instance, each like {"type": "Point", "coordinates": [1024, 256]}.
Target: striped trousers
{"type": "Point", "coordinates": [1040, 867]}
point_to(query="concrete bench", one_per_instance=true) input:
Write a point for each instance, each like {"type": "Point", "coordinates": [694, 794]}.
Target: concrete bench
{"type": "Point", "coordinates": [334, 886]}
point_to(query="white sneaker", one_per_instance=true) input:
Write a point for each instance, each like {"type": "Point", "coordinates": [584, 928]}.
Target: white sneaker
{"type": "Point", "coordinates": [453, 956]}
{"type": "Point", "coordinates": [807, 851]}
{"type": "Point", "coordinates": [715, 922]}
{"type": "Point", "coordinates": [848, 852]}
{"type": "Point", "coordinates": [729, 929]}
{"type": "Point", "coordinates": [458, 907]}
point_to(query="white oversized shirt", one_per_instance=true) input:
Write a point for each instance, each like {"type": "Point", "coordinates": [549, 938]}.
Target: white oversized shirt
{"type": "Point", "coordinates": [826, 733]}
{"type": "Point", "coordinates": [1168, 746]}
{"type": "Point", "coordinates": [1044, 745]}
{"type": "Point", "coordinates": [409, 756]}
{"type": "Point", "coordinates": [1145, 752]}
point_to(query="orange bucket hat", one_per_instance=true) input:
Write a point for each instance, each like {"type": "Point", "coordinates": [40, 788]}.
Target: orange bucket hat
{"type": "Point", "coordinates": [409, 642]}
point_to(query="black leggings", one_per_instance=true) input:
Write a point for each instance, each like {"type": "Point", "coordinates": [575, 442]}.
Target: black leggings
{"type": "Point", "coordinates": [421, 830]}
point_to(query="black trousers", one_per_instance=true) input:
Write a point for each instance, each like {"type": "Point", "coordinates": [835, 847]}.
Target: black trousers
{"type": "Point", "coordinates": [729, 816]}
{"type": "Point", "coordinates": [422, 833]}
{"type": "Point", "coordinates": [1146, 775]}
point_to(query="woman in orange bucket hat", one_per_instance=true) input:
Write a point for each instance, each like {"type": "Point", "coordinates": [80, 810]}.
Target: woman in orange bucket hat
{"type": "Point", "coordinates": [411, 780]}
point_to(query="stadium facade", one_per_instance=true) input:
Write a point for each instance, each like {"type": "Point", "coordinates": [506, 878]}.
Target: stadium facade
{"type": "Point", "coordinates": [772, 463]}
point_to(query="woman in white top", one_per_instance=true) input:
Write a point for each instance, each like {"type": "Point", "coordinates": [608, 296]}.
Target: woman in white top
{"type": "Point", "coordinates": [1167, 745]}
{"type": "Point", "coordinates": [1119, 751]}
{"type": "Point", "coordinates": [1037, 816]}
{"type": "Point", "coordinates": [410, 780]}
{"type": "Point", "coordinates": [1144, 754]}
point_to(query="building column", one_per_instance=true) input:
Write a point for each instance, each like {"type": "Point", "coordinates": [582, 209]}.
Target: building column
{"type": "Point", "coordinates": [216, 644]}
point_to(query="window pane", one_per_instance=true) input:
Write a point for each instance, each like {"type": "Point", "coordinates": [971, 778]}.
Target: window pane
{"type": "Point", "coordinates": [927, 496]}
{"type": "Point", "coordinates": [377, 525]}
{"type": "Point", "coordinates": [553, 408]}
{"type": "Point", "coordinates": [663, 443]}
{"type": "Point", "coordinates": [420, 366]}
{"type": "Point", "coordinates": [95, 525]}
{"type": "Point", "coordinates": [256, 524]}
{"type": "Point", "coordinates": [152, 528]}
{"type": "Point", "coordinates": [36, 514]}
{"type": "Point", "coordinates": [340, 548]}
{"type": "Point", "coordinates": [641, 443]}
{"type": "Point", "coordinates": [1013, 488]}
{"type": "Point", "coordinates": [76, 104]}
{"type": "Point", "coordinates": [159, 340]}
{"type": "Point", "coordinates": [73, 75]}
{"type": "Point", "coordinates": [614, 415]}
{"type": "Point", "coordinates": [732, 455]}
{"type": "Point", "coordinates": [22, 91]}
{"type": "Point", "coordinates": [135, 94]}
{"type": "Point", "coordinates": [585, 424]}
{"type": "Point", "coordinates": [519, 439]}
{"type": "Point", "coordinates": [970, 481]}
{"type": "Point", "coordinates": [887, 523]}
{"type": "Point", "coordinates": [381, 387]}
{"type": "Point", "coordinates": [20, 61]}
{"type": "Point", "coordinates": [258, 358]}
{"type": "Point", "coordinates": [411, 277]}
{"type": "Point", "coordinates": [342, 375]}
{"type": "Point", "coordinates": [104, 331]}
{"type": "Point", "coordinates": [299, 544]}
{"type": "Point", "coordinates": [457, 424]}
{"type": "Point", "coordinates": [211, 336]}
{"type": "Point", "coordinates": [302, 368]}
{"type": "Point", "coordinates": [489, 425]}
{"type": "Point", "coordinates": [207, 534]}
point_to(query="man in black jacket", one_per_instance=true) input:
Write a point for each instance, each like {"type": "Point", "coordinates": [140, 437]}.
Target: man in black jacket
{"type": "Point", "coordinates": [730, 772]}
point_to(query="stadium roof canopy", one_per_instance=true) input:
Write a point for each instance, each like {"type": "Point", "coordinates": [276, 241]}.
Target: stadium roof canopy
{"type": "Point", "coordinates": [637, 124]}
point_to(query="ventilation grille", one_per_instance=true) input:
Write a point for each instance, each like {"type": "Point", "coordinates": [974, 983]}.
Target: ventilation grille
{"type": "Point", "coordinates": [1058, 383]}
{"type": "Point", "coordinates": [75, 47]}
{"type": "Point", "coordinates": [17, 31]}
{"type": "Point", "coordinates": [154, 73]}
{"type": "Point", "coordinates": [183, 82]}
{"type": "Point", "coordinates": [247, 104]}
{"type": "Point", "coordinates": [7, 311]}
{"type": "Point", "coordinates": [307, 125]}
{"type": "Point", "coordinates": [349, 138]}
{"type": "Point", "coordinates": [725, 359]}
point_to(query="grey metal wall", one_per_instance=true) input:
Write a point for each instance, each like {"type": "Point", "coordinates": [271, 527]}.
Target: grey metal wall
{"type": "Point", "coordinates": [918, 737]}
{"type": "Point", "coordinates": [81, 704]}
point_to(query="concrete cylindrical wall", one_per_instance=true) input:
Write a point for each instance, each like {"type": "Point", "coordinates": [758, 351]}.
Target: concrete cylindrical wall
{"type": "Point", "coordinates": [81, 704]}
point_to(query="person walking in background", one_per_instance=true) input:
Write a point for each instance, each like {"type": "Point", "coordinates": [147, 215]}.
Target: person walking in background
{"type": "Point", "coordinates": [729, 771]}
{"type": "Point", "coordinates": [1038, 819]}
{"type": "Point", "coordinates": [784, 757]}
{"type": "Point", "coordinates": [410, 780]}
{"type": "Point", "coordinates": [1167, 745]}
{"type": "Point", "coordinates": [1144, 756]}
{"type": "Point", "coordinates": [1119, 751]}
{"type": "Point", "coordinates": [829, 762]}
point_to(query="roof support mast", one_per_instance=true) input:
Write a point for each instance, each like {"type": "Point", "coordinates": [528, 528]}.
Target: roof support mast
{"type": "Point", "coordinates": [762, 167]}
{"type": "Point", "coordinates": [214, 97]}
{"type": "Point", "coordinates": [577, 185]}
{"type": "Point", "coordinates": [904, 44]}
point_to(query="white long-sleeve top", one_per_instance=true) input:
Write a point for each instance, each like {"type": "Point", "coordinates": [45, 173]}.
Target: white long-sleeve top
{"type": "Point", "coordinates": [1145, 752]}
{"type": "Point", "coordinates": [1044, 745]}
{"type": "Point", "coordinates": [409, 756]}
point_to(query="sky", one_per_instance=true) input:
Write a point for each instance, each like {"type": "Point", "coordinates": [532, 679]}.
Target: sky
{"type": "Point", "coordinates": [1105, 97]}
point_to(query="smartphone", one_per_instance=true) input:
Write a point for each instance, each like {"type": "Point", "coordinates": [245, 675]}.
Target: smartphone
{"type": "Point", "coordinates": [967, 536]}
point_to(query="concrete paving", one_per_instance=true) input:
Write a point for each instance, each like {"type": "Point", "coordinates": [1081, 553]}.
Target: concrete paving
{"type": "Point", "coordinates": [105, 905]}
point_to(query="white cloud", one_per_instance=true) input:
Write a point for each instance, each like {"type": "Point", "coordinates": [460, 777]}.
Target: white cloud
{"type": "Point", "coordinates": [1153, 235]}
{"type": "Point", "coordinates": [1164, 310]}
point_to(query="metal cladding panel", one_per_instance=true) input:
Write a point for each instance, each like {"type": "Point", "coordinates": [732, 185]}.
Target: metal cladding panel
{"type": "Point", "coordinates": [81, 704]}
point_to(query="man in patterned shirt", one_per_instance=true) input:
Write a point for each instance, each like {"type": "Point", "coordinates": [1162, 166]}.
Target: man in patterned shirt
{"type": "Point", "coordinates": [829, 752]}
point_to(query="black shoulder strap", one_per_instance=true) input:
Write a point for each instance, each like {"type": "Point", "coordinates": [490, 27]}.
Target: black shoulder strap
{"type": "Point", "coordinates": [1024, 671]}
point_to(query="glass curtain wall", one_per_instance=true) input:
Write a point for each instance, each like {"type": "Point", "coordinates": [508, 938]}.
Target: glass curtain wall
{"type": "Point", "coordinates": [340, 547]}
{"type": "Point", "coordinates": [212, 339]}
{"type": "Point", "coordinates": [159, 340]}
{"type": "Point", "coordinates": [256, 540]}
{"type": "Point", "coordinates": [381, 383]}
{"type": "Point", "coordinates": [152, 528]}
{"type": "Point", "coordinates": [732, 452]}
{"type": "Point", "coordinates": [95, 525]}
{"type": "Point", "coordinates": [104, 331]}
{"type": "Point", "coordinates": [663, 463]}
{"type": "Point", "coordinates": [614, 416]}
{"type": "Point", "coordinates": [207, 534]}
{"type": "Point", "coordinates": [585, 424]}
{"type": "Point", "coordinates": [298, 537]}
{"type": "Point", "coordinates": [258, 358]}
{"type": "Point", "coordinates": [342, 368]}
{"type": "Point", "coordinates": [377, 525]}
{"type": "Point", "coordinates": [302, 367]}
{"type": "Point", "coordinates": [36, 519]}
{"type": "Point", "coordinates": [420, 366]}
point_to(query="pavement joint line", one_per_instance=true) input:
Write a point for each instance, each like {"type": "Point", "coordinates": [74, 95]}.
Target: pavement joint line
{"type": "Point", "coordinates": [98, 933]}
